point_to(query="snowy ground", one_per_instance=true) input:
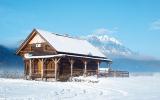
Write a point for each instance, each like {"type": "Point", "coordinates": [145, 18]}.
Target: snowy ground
{"type": "Point", "coordinates": [133, 88]}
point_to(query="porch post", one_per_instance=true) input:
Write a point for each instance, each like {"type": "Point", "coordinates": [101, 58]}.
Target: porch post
{"type": "Point", "coordinates": [85, 68]}
{"type": "Point", "coordinates": [55, 69]}
{"type": "Point", "coordinates": [30, 68]}
{"type": "Point", "coordinates": [42, 69]}
{"type": "Point", "coordinates": [71, 62]}
{"type": "Point", "coordinates": [25, 66]}
{"type": "Point", "coordinates": [56, 60]}
{"type": "Point", "coordinates": [98, 64]}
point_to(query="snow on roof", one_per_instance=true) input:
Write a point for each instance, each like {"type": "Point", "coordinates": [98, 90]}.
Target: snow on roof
{"type": "Point", "coordinates": [69, 44]}
{"type": "Point", "coordinates": [105, 59]}
{"type": "Point", "coordinates": [45, 56]}
{"type": "Point", "coordinates": [27, 56]}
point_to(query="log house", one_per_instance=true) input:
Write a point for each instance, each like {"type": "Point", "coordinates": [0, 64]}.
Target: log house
{"type": "Point", "coordinates": [49, 55]}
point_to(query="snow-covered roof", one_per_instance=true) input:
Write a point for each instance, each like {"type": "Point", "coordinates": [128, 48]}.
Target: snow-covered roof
{"type": "Point", "coordinates": [69, 44]}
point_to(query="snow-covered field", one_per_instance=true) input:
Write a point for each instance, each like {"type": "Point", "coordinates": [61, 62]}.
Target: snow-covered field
{"type": "Point", "coordinates": [133, 88]}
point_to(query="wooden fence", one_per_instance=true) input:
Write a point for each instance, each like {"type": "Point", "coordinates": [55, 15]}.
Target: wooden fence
{"type": "Point", "coordinates": [114, 73]}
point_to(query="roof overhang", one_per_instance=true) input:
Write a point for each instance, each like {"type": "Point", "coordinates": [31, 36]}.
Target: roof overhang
{"type": "Point", "coordinates": [86, 57]}
{"type": "Point", "coordinates": [66, 55]}
{"type": "Point", "coordinates": [45, 56]}
{"type": "Point", "coordinates": [25, 41]}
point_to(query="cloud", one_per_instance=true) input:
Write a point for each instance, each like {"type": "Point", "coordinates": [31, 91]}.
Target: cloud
{"type": "Point", "coordinates": [105, 31]}
{"type": "Point", "coordinates": [155, 25]}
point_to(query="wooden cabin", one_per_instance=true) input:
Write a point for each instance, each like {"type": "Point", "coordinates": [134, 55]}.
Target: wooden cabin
{"type": "Point", "coordinates": [49, 55]}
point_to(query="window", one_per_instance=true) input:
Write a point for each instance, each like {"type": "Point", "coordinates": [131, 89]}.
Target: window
{"type": "Point", "coordinates": [38, 45]}
{"type": "Point", "coordinates": [46, 47]}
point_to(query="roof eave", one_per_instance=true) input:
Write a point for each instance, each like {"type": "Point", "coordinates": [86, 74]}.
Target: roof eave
{"type": "Point", "coordinates": [24, 42]}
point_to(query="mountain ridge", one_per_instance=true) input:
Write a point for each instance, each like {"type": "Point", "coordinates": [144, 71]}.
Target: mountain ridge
{"type": "Point", "coordinates": [109, 45]}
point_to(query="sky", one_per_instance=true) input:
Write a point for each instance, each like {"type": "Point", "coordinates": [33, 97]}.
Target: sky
{"type": "Point", "coordinates": [136, 23]}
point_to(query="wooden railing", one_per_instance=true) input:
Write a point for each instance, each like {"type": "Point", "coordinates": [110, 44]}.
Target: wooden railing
{"type": "Point", "coordinates": [36, 73]}
{"type": "Point", "coordinates": [77, 72]}
{"type": "Point", "coordinates": [91, 72]}
{"type": "Point", "coordinates": [46, 73]}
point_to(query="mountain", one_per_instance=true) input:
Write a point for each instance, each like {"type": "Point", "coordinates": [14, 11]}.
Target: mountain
{"type": "Point", "coordinates": [9, 60]}
{"type": "Point", "coordinates": [123, 58]}
{"type": "Point", "coordinates": [109, 45]}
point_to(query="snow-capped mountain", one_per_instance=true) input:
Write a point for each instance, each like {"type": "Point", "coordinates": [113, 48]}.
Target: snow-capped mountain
{"type": "Point", "coordinates": [123, 58]}
{"type": "Point", "coordinates": [109, 45]}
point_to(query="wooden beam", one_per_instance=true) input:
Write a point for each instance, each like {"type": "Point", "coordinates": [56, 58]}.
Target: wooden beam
{"type": "Point", "coordinates": [98, 65]}
{"type": "Point", "coordinates": [85, 67]}
{"type": "Point", "coordinates": [56, 60]}
{"type": "Point", "coordinates": [25, 68]}
{"type": "Point", "coordinates": [30, 68]}
{"type": "Point", "coordinates": [55, 70]}
{"type": "Point", "coordinates": [42, 68]}
{"type": "Point", "coordinates": [71, 63]}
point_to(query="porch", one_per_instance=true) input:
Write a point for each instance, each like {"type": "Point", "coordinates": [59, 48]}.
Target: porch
{"type": "Point", "coordinates": [60, 67]}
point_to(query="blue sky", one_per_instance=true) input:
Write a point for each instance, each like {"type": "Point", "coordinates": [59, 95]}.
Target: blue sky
{"type": "Point", "coordinates": [137, 22]}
